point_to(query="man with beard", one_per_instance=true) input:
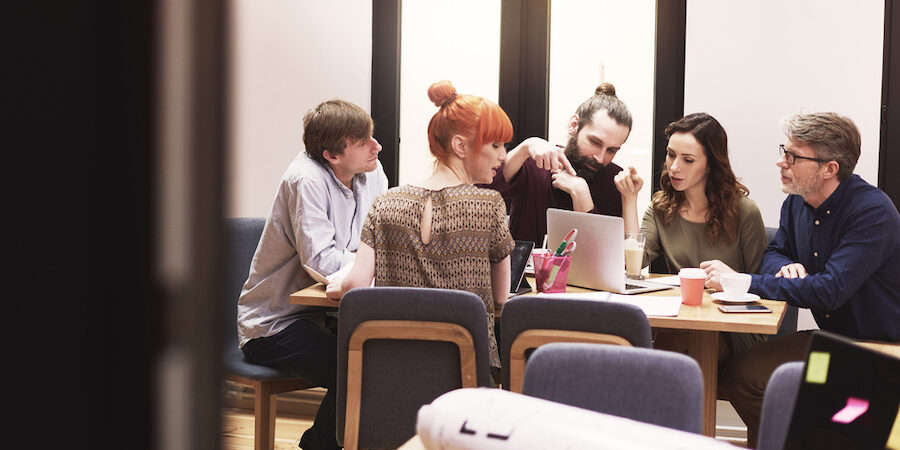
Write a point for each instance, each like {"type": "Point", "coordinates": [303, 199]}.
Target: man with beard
{"type": "Point", "coordinates": [538, 175]}
{"type": "Point", "coordinates": [837, 252]}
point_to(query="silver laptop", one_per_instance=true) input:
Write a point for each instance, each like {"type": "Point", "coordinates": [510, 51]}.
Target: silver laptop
{"type": "Point", "coordinates": [598, 261]}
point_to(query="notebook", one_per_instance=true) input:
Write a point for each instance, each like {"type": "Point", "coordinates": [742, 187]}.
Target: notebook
{"type": "Point", "coordinates": [849, 397]}
{"type": "Point", "coordinates": [518, 259]}
{"type": "Point", "coordinates": [598, 261]}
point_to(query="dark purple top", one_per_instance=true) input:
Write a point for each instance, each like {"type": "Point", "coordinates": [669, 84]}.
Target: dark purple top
{"type": "Point", "coordinates": [530, 193]}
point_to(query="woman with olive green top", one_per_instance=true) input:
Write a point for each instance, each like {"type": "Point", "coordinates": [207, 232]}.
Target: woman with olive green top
{"type": "Point", "coordinates": [685, 244]}
{"type": "Point", "coordinates": [701, 216]}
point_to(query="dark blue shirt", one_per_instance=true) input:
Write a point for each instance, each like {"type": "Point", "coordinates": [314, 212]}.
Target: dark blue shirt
{"type": "Point", "coordinates": [850, 247]}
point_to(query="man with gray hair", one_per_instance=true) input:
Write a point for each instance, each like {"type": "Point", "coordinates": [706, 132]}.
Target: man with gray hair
{"type": "Point", "coordinates": [836, 252]}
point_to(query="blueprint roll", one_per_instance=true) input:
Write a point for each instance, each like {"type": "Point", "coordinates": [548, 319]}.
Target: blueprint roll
{"type": "Point", "coordinates": [495, 419]}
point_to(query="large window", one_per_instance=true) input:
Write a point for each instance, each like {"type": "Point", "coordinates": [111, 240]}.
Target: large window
{"type": "Point", "coordinates": [456, 40]}
{"type": "Point", "coordinates": [592, 41]}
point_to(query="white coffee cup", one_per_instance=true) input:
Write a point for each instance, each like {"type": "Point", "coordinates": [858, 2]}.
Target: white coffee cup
{"type": "Point", "coordinates": [735, 285]}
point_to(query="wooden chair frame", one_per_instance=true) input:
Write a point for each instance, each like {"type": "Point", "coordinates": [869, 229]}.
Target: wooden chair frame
{"type": "Point", "coordinates": [534, 338]}
{"type": "Point", "coordinates": [265, 405]}
{"type": "Point", "coordinates": [399, 329]}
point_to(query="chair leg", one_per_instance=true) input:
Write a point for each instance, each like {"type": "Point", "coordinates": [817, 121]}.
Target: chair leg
{"type": "Point", "coordinates": [265, 410]}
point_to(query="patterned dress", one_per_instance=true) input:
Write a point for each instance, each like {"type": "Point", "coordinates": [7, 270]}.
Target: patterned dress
{"type": "Point", "coordinates": [468, 233]}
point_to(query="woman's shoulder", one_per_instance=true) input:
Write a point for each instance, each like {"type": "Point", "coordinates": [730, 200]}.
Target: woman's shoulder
{"type": "Point", "coordinates": [747, 206]}
{"type": "Point", "coordinates": [472, 191]}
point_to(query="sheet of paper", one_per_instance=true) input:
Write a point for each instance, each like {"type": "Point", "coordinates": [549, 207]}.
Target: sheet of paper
{"type": "Point", "coordinates": [893, 441]}
{"type": "Point", "coordinates": [651, 305]}
{"type": "Point", "coordinates": [671, 280]}
{"type": "Point", "coordinates": [342, 272]}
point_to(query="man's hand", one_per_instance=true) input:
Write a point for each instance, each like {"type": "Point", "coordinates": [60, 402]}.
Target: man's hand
{"type": "Point", "coordinates": [714, 270]}
{"type": "Point", "coordinates": [334, 290]}
{"type": "Point", "coordinates": [548, 156]}
{"type": "Point", "coordinates": [629, 183]}
{"type": "Point", "coordinates": [576, 187]}
{"type": "Point", "coordinates": [794, 270]}
{"type": "Point", "coordinates": [568, 183]}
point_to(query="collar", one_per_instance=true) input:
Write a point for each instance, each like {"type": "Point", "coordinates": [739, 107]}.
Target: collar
{"type": "Point", "coordinates": [358, 180]}
{"type": "Point", "coordinates": [837, 197]}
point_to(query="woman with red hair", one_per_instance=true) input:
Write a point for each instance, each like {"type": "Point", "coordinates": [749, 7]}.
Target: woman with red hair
{"type": "Point", "coordinates": [422, 234]}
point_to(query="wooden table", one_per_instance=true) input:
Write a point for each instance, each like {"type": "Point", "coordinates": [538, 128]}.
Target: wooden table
{"type": "Point", "coordinates": [702, 323]}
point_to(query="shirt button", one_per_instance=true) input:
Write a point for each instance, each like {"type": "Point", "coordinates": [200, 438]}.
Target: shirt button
{"type": "Point", "coordinates": [816, 254]}
{"type": "Point", "coordinates": [347, 195]}
{"type": "Point", "coordinates": [828, 212]}
{"type": "Point", "coordinates": [817, 221]}
{"type": "Point", "coordinates": [827, 316]}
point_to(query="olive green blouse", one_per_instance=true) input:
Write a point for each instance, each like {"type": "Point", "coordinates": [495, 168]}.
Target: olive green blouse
{"type": "Point", "coordinates": [685, 244]}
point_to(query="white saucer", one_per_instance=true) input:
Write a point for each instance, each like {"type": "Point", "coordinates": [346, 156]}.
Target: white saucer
{"type": "Point", "coordinates": [747, 298]}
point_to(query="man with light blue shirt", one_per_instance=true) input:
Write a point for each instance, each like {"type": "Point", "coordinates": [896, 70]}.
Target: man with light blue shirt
{"type": "Point", "coordinates": [319, 209]}
{"type": "Point", "coordinates": [836, 252]}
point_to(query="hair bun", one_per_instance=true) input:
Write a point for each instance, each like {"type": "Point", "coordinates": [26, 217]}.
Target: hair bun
{"type": "Point", "coordinates": [606, 89]}
{"type": "Point", "coordinates": [441, 93]}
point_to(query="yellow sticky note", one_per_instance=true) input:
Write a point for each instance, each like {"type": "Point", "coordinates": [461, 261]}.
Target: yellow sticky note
{"type": "Point", "coordinates": [893, 441]}
{"type": "Point", "coordinates": [817, 367]}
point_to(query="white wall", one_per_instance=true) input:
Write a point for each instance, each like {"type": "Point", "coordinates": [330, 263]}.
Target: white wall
{"type": "Point", "coordinates": [288, 56]}
{"type": "Point", "coordinates": [455, 40]}
{"type": "Point", "coordinates": [749, 64]}
{"type": "Point", "coordinates": [593, 41]}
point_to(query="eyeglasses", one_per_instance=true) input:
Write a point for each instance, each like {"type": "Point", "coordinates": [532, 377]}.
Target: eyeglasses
{"type": "Point", "coordinates": [791, 157]}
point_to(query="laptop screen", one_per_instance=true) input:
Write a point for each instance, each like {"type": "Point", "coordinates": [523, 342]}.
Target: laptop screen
{"type": "Point", "coordinates": [849, 397]}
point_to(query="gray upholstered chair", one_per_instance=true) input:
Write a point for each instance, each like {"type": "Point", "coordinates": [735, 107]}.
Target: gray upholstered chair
{"type": "Point", "coordinates": [398, 349]}
{"type": "Point", "coordinates": [789, 322]}
{"type": "Point", "coordinates": [653, 386]}
{"type": "Point", "coordinates": [528, 322]}
{"type": "Point", "coordinates": [242, 236]}
{"type": "Point", "coordinates": [778, 405]}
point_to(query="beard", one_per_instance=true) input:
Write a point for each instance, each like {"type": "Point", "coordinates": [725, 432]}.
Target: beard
{"type": "Point", "coordinates": [585, 166]}
{"type": "Point", "coordinates": [803, 187]}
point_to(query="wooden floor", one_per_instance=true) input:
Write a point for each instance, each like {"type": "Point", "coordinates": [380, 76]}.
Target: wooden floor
{"type": "Point", "coordinates": [237, 428]}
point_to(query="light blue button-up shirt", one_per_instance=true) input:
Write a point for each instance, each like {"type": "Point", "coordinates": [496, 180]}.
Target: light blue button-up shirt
{"type": "Point", "coordinates": [316, 221]}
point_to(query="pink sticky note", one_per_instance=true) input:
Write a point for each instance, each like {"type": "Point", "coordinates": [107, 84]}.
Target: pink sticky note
{"type": "Point", "coordinates": [855, 408]}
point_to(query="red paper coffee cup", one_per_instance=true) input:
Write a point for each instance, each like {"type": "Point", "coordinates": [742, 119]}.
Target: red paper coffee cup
{"type": "Point", "coordinates": [692, 281]}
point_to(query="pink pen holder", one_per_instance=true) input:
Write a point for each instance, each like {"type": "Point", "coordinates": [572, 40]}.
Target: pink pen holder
{"type": "Point", "coordinates": [551, 273]}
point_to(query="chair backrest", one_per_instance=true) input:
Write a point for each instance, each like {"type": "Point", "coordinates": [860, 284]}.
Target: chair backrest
{"type": "Point", "coordinates": [589, 318]}
{"type": "Point", "coordinates": [401, 370]}
{"type": "Point", "coordinates": [770, 233]}
{"type": "Point", "coordinates": [789, 323]}
{"type": "Point", "coordinates": [241, 239]}
{"type": "Point", "coordinates": [653, 386]}
{"type": "Point", "coordinates": [778, 405]}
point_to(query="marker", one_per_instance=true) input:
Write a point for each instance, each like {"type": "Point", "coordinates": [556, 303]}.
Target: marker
{"type": "Point", "coordinates": [569, 248]}
{"type": "Point", "coordinates": [570, 236]}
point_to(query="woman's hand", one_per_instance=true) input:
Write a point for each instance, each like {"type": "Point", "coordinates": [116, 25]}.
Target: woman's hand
{"type": "Point", "coordinates": [629, 183]}
{"type": "Point", "coordinates": [714, 270]}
